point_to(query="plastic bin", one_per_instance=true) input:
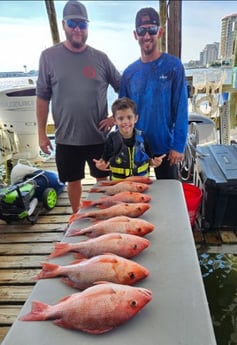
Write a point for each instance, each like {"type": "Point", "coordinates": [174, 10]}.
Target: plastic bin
{"type": "Point", "coordinates": [193, 197]}
{"type": "Point", "coordinates": [215, 173]}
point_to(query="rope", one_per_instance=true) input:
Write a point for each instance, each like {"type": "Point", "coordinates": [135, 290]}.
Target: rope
{"type": "Point", "coordinates": [186, 166]}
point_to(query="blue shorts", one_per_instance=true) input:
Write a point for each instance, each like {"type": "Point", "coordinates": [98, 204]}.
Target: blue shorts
{"type": "Point", "coordinates": [71, 161]}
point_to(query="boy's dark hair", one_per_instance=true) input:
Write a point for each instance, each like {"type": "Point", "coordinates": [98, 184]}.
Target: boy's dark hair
{"type": "Point", "coordinates": [123, 103]}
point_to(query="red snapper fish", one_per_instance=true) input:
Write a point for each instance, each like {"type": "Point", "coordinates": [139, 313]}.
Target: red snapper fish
{"type": "Point", "coordinates": [124, 245]}
{"type": "Point", "coordinates": [129, 197]}
{"type": "Point", "coordinates": [120, 187]}
{"type": "Point", "coordinates": [121, 224]}
{"type": "Point", "coordinates": [85, 272]}
{"type": "Point", "coordinates": [96, 310]}
{"type": "Point", "coordinates": [122, 209]}
{"type": "Point", "coordinates": [139, 179]}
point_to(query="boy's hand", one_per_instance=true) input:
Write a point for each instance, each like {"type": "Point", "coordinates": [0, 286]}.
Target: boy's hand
{"type": "Point", "coordinates": [101, 164]}
{"type": "Point", "coordinates": [156, 161]}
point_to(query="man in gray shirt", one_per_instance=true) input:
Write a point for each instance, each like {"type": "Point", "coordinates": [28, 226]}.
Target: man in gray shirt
{"type": "Point", "coordinates": [75, 78]}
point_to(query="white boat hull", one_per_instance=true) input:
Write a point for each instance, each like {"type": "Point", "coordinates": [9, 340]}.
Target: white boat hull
{"type": "Point", "coordinates": [18, 113]}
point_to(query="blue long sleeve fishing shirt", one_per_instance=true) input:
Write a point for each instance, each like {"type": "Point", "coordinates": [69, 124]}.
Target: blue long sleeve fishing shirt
{"type": "Point", "coordinates": [160, 92]}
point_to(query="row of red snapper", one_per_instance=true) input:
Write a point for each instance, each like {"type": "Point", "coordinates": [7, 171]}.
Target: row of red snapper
{"type": "Point", "coordinates": [103, 268]}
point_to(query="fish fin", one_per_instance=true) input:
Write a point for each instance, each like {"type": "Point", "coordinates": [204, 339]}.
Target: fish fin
{"type": "Point", "coordinates": [64, 298]}
{"type": "Point", "coordinates": [101, 206]}
{"type": "Point", "coordinates": [48, 270]}
{"type": "Point", "coordinates": [37, 313]}
{"type": "Point", "coordinates": [62, 323]}
{"type": "Point", "coordinates": [96, 331]}
{"type": "Point", "coordinates": [101, 282]}
{"type": "Point", "coordinates": [78, 257]}
{"type": "Point", "coordinates": [60, 248]}
{"type": "Point", "coordinates": [69, 282]}
{"type": "Point", "coordinates": [108, 183]}
{"type": "Point", "coordinates": [95, 221]}
{"type": "Point", "coordinates": [95, 190]}
{"type": "Point", "coordinates": [74, 262]}
{"type": "Point", "coordinates": [113, 259]}
{"type": "Point", "coordinates": [86, 203]}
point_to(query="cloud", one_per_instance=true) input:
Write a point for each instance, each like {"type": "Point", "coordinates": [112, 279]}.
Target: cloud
{"type": "Point", "coordinates": [25, 30]}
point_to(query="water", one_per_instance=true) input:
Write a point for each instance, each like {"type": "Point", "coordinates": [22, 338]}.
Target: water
{"type": "Point", "coordinates": [223, 74]}
{"type": "Point", "coordinates": [219, 273]}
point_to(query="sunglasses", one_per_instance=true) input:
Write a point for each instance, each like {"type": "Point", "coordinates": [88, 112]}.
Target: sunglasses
{"type": "Point", "coordinates": [73, 24]}
{"type": "Point", "coordinates": [152, 30]}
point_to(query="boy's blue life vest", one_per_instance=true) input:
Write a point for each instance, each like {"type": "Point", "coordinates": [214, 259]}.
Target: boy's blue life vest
{"type": "Point", "coordinates": [129, 161]}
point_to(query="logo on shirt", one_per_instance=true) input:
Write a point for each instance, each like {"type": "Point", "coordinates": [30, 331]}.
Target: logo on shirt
{"type": "Point", "coordinates": [118, 160]}
{"type": "Point", "coordinates": [89, 72]}
{"type": "Point", "coordinates": [163, 76]}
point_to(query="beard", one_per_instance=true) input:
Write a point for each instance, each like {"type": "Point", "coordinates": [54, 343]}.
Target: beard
{"type": "Point", "coordinates": [148, 48]}
{"type": "Point", "coordinates": [76, 44]}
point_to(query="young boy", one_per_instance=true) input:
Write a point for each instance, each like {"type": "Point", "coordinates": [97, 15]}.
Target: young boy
{"type": "Point", "coordinates": [126, 151]}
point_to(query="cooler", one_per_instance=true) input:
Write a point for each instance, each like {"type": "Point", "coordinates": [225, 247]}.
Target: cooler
{"type": "Point", "coordinates": [215, 173]}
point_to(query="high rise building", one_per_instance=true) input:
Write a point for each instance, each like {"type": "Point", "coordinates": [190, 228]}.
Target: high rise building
{"type": "Point", "coordinates": [228, 34]}
{"type": "Point", "coordinates": [209, 54]}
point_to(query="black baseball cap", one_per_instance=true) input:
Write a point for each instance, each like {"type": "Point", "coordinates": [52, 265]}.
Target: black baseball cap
{"type": "Point", "coordinates": [75, 10]}
{"type": "Point", "coordinates": [147, 15]}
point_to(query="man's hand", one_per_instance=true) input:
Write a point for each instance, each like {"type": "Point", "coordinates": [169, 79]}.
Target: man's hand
{"type": "Point", "coordinates": [45, 144]}
{"type": "Point", "coordinates": [106, 124]}
{"type": "Point", "coordinates": [175, 157]}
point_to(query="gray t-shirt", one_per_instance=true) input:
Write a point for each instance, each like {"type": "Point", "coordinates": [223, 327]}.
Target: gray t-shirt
{"type": "Point", "coordinates": [76, 83]}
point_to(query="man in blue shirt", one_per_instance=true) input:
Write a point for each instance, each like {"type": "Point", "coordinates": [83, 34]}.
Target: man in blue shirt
{"type": "Point", "coordinates": [156, 83]}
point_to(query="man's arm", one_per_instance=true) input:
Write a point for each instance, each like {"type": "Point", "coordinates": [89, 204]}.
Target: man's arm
{"type": "Point", "coordinates": [42, 111]}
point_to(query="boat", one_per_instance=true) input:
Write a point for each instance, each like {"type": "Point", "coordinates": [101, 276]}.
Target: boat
{"type": "Point", "coordinates": [18, 115]}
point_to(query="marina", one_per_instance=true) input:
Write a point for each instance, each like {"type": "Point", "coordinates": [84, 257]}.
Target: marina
{"type": "Point", "coordinates": [193, 268]}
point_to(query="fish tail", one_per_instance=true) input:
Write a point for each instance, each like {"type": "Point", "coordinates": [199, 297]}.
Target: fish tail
{"type": "Point", "coordinates": [86, 203]}
{"type": "Point", "coordinates": [101, 206]}
{"type": "Point", "coordinates": [48, 270]}
{"type": "Point", "coordinates": [72, 218]}
{"type": "Point", "coordinates": [38, 312]}
{"type": "Point", "coordinates": [60, 249]}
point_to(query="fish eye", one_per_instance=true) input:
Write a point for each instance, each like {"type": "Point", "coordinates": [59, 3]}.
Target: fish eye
{"type": "Point", "coordinates": [133, 303]}
{"type": "Point", "coordinates": [132, 275]}
{"type": "Point", "coordinates": [139, 230]}
{"type": "Point", "coordinates": [135, 246]}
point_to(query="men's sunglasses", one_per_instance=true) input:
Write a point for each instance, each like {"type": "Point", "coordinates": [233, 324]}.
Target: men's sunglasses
{"type": "Point", "coordinates": [73, 24]}
{"type": "Point", "coordinates": [152, 30]}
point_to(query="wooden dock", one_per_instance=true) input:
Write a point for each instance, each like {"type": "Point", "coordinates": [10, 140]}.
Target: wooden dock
{"type": "Point", "coordinates": [24, 246]}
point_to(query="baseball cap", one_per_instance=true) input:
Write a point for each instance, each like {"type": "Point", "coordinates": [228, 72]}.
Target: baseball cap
{"type": "Point", "coordinates": [147, 15]}
{"type": "Point", "coordinates": [75, 10]}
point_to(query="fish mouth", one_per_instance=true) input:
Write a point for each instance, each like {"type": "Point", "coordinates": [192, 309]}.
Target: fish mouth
{"type": "Point", "coordinates": [147, 293]}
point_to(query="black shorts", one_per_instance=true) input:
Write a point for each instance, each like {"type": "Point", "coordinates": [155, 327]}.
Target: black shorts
{"type": "Point", "coordinates": [166, 171]}
{"type": "Point", "coordinates": [71, 160]}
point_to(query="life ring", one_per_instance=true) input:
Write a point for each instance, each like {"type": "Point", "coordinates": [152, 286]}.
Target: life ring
{"type": "Point", "coordinates": [211, 108]}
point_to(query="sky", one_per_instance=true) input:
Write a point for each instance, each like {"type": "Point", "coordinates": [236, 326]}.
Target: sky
{"type": "Point", "coordinates": [25, 29]}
